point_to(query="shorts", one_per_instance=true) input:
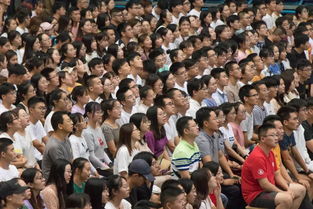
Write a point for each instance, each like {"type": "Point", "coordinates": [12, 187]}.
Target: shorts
{"type": "Point", "coordinates": [264, 200]}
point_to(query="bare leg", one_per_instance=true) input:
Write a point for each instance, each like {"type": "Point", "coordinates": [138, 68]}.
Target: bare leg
{"type": "Point", "coordinates": [299, 192]}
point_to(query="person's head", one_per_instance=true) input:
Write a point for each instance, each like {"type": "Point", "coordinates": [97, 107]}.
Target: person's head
{"type": "Point", "coordinates": [157, 117]}
{"type": "Point", "coordinates": [192, 67]}
{"type": "Point", "coordinates": [189, 189]}
{"type": "Point", "coordinates": [129, 134]}
{"type": "Point", "coordinates": [81, 169]}
{"type": "Point", "coordinates": [61, 122]}
{"type": "Point", "coordinates": [7, 153]}
{"type": "Point", "coordinates": [289, 117]}
{"type": "Point", "coordinates": [248, 95]}
{"type": "Point", "coordinates": [187, 127]}
{"type": "Point", "coordinates": [96, 67]}
{"type": "Point", "coordinates": [268, 136]}
{"type": "Point", "coordinates": [79, 201]}
{"type": "Point", "coordinates": [210, 83]}
{"type": "Point", "coordinates": [25, 91]}
{"type": "Point", "coordinates": [97, 190]}
{"type": "Point", "coordinates": [111, 109]}
{"type": "Point", "coordinates": [58, 99]}
{"type": "Point", "coordinates": [155, 82]}
{"type": "Point", "coordinates": [126, 97]}
{"type": "Point", "coordinates": [121, 67]}
{"type": "Point", "coordinates": [94, 85]}
{"type": "Point", "coordinates": [304, 69]}
{"type": "Point", "coordinates": [220, 76]}
{"type": "Point", "coordinates": [141, 121]}
{"type": "Point", "coordinates": [272, 84]}
{"type": "Point", "coordinates": [12, 193]}
{"type": "Point", "coordinates": [94, 112]}
{"type": "Point", "coordinates": [301, 107]}
{"type": "Point", "coordinates": [207, 119]}
{"type": "Point", "coordinates": [79, 123]}
{"type": "Point", "coordinates": [302, 13]}
{"type": "Point", "coordinates": [80, 95]}
{"type": "Point", "coordinates": [151, 160]}
{"type": "Point", "coordinates": [9, 121]}
{"type": "Point", "coordinates": [118, 187]}
{"type": "Point", "coordinates": [275, 121]}
{"type": "Point", "coordinates": [301, 41]}
{"type": "Point", "coordinates": [229, 112]}
{"type": "Point", "coordinates": [173, 198]}
{"type": "Point", "coordinates": [139, 173]}
{"type": "Point", "coordinates": [34, 179]}
{"type": "Point", "coordinates": [289, 80]}
{"type": "Point", "coordinates": [16, 73]}
{"type": "Point", "coordinates": [196, 89]}
{"type": "Point", "coordinates": [203, 189]}
{"type": "Point", "coordinates": [60, 175]}
{"type": "Point", "coordinates": [179, 71]}
{"type": "Point", "coordinates": [40, 84]}
{"type": "Point", "coordinates": [261, 89]}
{"type": "Point", "coordinates": [4, 45]}
{"type": "Point", "coordinates": [215, 169]}
{"type": "Point", "coordinates": [147, 95]}
{"type": "Point", "coordinates": [51, 76]}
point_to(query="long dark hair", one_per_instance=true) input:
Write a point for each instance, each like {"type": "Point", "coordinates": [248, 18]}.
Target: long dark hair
{"type": "Point", "coordinates": [28, 176]}
{"type": "Point", "coordinates": [29, 52]}
{"type": "Point", "coordinates": [126, 131]}
{"type": "Point", "coordinates": [198, 177]}
{"type": "Point", "coordinates": [56, 177]}
{"type": "Point", "coordinates": [94, 188]}
{"type": "Point", "coordinates": [152, 115]}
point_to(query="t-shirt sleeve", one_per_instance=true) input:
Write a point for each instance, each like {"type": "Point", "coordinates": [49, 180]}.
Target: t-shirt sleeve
{"type": "Point", "coordinates": [308, 132]}
{"type": "Point", "coordinates": [204, 148]}
{"type": "Point", "coordinates": [259, 169]}
{"type": "Point", "coordinates": [150, 141]}
{"type": "Point", "coordinates": [283, 144]}
{"type": "Point", "coordinates": [107, 132]}
{"type": "Point", "coordinates": [122, 159]}
{"type": "Point", "coordinates": [244, 125]}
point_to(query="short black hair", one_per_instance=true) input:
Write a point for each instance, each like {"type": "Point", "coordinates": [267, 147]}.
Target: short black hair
{"type": "Point", "coordinates": [264, 128]}
{"type": "Point", "coordinates": [297, 103]}
{"type": "Point", "coordinates": [182, 124]}
{"type": "Point", "coordinates": [16, 69]}
{"type": "Point", "coordinates": [176, 66]}
{"type": "Point", "coordinates": [194, 84]}
{"type": "Point", "coordinates": [120, 95]}
{"type": "Point", "coordinates": [6, 88]}
{"type": "Point", "coordinates": [300, 39]}
{"type": "Point", "coordinates": [270, 119]}
{"type": "Point", "coordinates": [57, 118]}
{"type": "Point", "coordinates": [302, 63]}
{"type": "Point", "coordinates": [35, 100]}
{"type": "Point", "coordinates": [216, 72]}
{"type": "Point", "coordinates": [93, 62]}
{"type": "Point", "coordinates": [203, 114]}
{"type": "Point", "coordinates": [117, 64]}
{"type": "Point", "coordinates": [245, 92]}
{"type": "Point", "coordinates": [169, 195]}
{"type": "Point", "coordinates": [285, 111]}
{"type": "Point", "coordinates": [4, 143]}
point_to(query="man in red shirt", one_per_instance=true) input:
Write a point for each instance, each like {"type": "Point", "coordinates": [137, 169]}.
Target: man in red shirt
{"type": "Point", "coordinates": [262, 184]}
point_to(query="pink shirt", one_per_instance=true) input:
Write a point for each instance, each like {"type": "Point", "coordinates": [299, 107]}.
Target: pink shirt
{"type": "Point", "coordinates": [238, 133]}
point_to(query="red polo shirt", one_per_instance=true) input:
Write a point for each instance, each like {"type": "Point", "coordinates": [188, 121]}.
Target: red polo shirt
{"type": "Point", "coordinates": [257, 166]}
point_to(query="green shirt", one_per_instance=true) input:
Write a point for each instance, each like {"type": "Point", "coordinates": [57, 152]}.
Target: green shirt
{"type": "Point", "coordinates": [78, 189]}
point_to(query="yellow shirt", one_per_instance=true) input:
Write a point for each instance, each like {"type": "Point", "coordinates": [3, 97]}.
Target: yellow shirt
{"type": "Point", "coordinates": [277, 155]}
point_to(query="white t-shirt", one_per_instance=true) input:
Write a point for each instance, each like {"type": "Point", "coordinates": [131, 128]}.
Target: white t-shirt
{"type": "Point", "coordinates": [38, 132]}
{"type": "Point", "coordinates": [27, 147]}
{"type": "Point", "coordinates": [228, 134]}
{"type": "Point", "coordinates": [124, 204]}
{"type": "Point", "coordinates": [170, 128]}
{"type": "Point", "coordinates": [48, 125]}
{"type": "Point", "coordinates": [16, 144]}
{"type": "Point", "coordinates": [123, 159]}
{"type": "Point", "coordinates": [194, 12]}
{"type": "Point", "coordinates": [79, 147]}
{"type": "Point", "coordinates": [4, 109]}
{"type": "Point", "coordinates": [6, 175]}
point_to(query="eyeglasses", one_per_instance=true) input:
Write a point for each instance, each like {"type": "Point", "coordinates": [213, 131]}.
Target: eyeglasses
{"type": "Point", "coordinates": [170, 103]}
{"type": "Point", "coordinates": [253, 95]}
{"type": "Point", "coordinates": [273, 135]}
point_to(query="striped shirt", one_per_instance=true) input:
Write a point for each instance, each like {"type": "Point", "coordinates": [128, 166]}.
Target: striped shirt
{"type": "Point", "coordinates": [186, 157]}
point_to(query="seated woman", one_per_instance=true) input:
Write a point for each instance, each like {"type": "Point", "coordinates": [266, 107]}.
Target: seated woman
{"type": "Point", "coordinates": [78, 201]}
{"type": "Point", "coordinates": [80, 174]}
{"type": "Point", "coordinates": [118, 191]}
{"type": "Point", "coordinates": [54, 194]}
{"type": "Point", "coordinates": [95, 138]}
{"type": "Point", "coordinates": [230, 187]}
{"type": "Point", "coordinates": [111, 112]}
{"type": "Point", "coordinates": [142, 123]}
{"type": "Point", "coordinates": [34, 179]}
{"type": "Point", "coordinates": [127, 148]}
{"type": "Point", "coordinates": [156, 137]}
{"type": "Point", "coordinates": [98, 192]}
{"type": "Point", "coordinates": [203, 200]}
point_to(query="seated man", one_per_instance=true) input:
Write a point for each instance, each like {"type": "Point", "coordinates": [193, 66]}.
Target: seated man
{"type": "Point", "coordinates": [186, 157]}
{"type": "Point", "coordinates": [262, 184]}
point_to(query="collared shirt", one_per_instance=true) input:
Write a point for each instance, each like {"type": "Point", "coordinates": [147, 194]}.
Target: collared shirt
{"type": "Point", "coordinates": [209, 145]}
{"type": "Point", "coordinates": [194, 107]}
{"type": "Point", "coordinates": [232, 92]}
{"type": "Point", "coordinates": [186, 157]}
{"type": "Point", "coordinates": [182, 88]}
{"type": "Point", "coordinates": [98, 100]}
{"type": "Point", "coordinates": [220, 97]}
{"type": "Point", "coordinates": [137, 80]}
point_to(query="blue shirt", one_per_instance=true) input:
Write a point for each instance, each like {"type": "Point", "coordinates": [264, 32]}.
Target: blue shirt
{"type": "Point", "coordinates": [287, 142]}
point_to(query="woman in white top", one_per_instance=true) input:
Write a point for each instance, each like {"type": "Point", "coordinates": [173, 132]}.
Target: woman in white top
{"type": "Point", "coordinates": [128, 148]}
{"type": "Point", "coordinates": [232, 147]}
{"type": "Point", "coordinates": [147, 96]}
{"type": "Point", "coordinates": [118, 190]}
{"type": "Point", "coordinates": [25, 138]}
{"type": "Point", "coordinates": [203, 199]}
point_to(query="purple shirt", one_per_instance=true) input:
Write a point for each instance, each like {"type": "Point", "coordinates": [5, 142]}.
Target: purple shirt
{"type": "Point", "coordinates": [156, 146]}
{"type": "Point", "coordinates": [76, 109]}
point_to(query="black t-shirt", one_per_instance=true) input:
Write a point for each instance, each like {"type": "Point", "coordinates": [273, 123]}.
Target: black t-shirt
{"type": "Point", "coordinates": [308, 134]}
{"type": "Point", "coordinates": [294, 56]}
{"type": "Point", "coordinates": [304, 90]}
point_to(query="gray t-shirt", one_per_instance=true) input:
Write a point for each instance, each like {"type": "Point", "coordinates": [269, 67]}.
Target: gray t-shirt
{"type": "Point", "coordinates": [210, 145]}
{"type": "Point", "coordinates": [55, 149]}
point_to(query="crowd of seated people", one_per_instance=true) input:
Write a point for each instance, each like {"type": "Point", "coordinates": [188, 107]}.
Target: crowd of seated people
{"type": "Point", "coordinates": [158, 104]}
